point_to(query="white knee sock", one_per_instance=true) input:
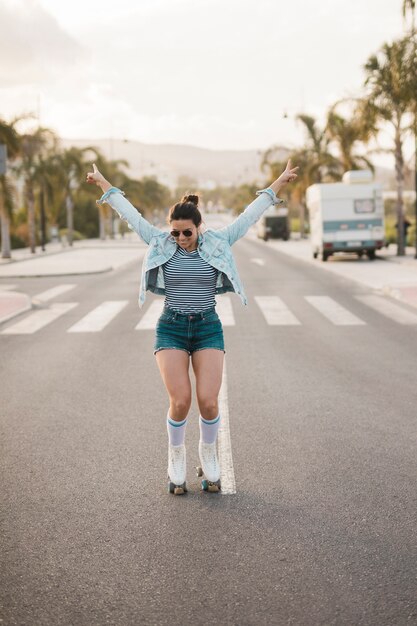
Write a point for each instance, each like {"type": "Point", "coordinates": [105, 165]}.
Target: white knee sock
{"type": "Point", "coordinates": [176, 431]}
{"type": "Point", "coordinates": [209, 429]}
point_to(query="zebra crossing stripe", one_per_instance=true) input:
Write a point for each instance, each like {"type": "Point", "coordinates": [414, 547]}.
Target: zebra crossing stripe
{"type": "Point", "coordinates": [38, 319]}
{"type": "Point", "coordinates": [275, 311]}
{"type": "Point", "coordinates": [150, 317]}
{"type": "Point", "coordinates": [4, 287]}
{"type": "Point", "coordinates": [53, 293]}
{"type": "Point", "coordinates": [99, 317]}
{"type": "Point", "coordinates": [333, 311]}
{"type": "Point", "coordinates": [388, 309]}
{"type": "Point", "coordinates": [225, 311]}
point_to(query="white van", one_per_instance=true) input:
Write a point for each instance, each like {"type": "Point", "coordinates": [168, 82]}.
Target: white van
{"type": "Point", "coordinates": [346, 216]}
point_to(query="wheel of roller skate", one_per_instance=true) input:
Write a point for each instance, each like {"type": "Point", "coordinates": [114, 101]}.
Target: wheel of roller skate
{"type": "Point", "coordinates": [171, 487]}
{"type": "Point", "coordinates": [204, 485]}
{"type": "Point", "coordinates": [199, 471]}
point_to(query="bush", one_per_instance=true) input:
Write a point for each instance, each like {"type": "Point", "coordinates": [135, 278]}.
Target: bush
{"type": "Point", "coordinates": [17, 242]}
{"type": "Point", "coordinates": [295, 225]}
{"type": "Point", "coordinates": [391, 234]}
{"type": "Point", "coordinates": [76, 236]}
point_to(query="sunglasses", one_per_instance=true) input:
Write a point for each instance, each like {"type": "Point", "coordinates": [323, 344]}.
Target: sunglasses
{"type": "Point", "coordinates": [176, 233]}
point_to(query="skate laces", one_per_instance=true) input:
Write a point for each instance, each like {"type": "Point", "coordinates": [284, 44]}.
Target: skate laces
{"type": "Point", "coordinates": [209, 453]}
{"type": "Point", "coordinates": [177, 456]}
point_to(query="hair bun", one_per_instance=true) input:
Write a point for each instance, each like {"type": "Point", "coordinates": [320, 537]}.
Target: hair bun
{"type": "Point", "coordinates": [191, 198]}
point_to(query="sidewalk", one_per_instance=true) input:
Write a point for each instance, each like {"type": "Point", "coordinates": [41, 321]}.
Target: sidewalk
{"type": "Point", "coordinates": [89, 256]}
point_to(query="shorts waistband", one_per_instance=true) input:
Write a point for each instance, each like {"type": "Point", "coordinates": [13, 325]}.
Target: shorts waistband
{"type": "Point", "coordinates": [189, 316]}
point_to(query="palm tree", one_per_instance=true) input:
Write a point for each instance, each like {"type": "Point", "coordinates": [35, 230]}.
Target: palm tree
{"type": "Point", "coordinates": [10, 138]}
{"type": "Point", "coordinates": [346, 133]}
{"type": "Point", "coordinates": [410, 6]}
{"type": "Point", "coordinates": [72, 165]}
{"type": "Point", "coordinates": [316, 163]}
{"type": "Point", "coordinates": [322, 164]}
{"type": "Point", "coordinates": [35, 146]}
{"type": "Point", "coordinates": [391, 84]}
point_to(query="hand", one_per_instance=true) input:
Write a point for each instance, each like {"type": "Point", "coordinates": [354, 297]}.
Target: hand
{"type": "Point", "coordinates": [288, 175]}
{"type": "Point", "coordinates": [95, 178]}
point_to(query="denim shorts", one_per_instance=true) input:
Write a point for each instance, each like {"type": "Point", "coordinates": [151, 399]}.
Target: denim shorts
{"type": "Point", "coordinates": [189, 331]}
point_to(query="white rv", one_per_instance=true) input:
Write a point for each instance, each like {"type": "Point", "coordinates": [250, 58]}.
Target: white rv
{"type": "Point", "coordinates": [346, 216]}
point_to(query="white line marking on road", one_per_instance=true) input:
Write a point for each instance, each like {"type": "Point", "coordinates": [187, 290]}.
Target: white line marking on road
{"type": "Point", "coordinates": [275, 311]}
{"type": "Point", "coordinates": [224, 442]}
{"type": "Point", "coordinates": [333, 311]}
{"type": "Point", "coordinates": [225, 311]}
{"type": "Point", "coordinates": [389, 309]}
{"type": "Point", "coordinates": [150, 317]}
{"type": "Point", "coordinates": [53, 292]}
{"type": "Point", "coordinates": [7, 287]}
{"type": "Point", "coordinates": [99, 317]}
{"type": "Point", "coordinates": [38, 319]}
{"type": "Point", "coordinates": [258, 261]}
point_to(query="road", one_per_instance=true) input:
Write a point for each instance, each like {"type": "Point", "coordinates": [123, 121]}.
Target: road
{"type": "Point", "coordinates": [322, 408]}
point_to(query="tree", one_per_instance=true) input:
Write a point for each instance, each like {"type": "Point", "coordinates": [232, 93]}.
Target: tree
{"type": "Point", "coordinates": [409, 6]}
{"type": "Point", "coordinates": [346, 133]}
{"type": "Point", "coordinates": [72, 165]}
{"type": "Point", "coordinates": [316, 162]}
{"type": "Point", "coordinates": [10, 138]}
{"type": "Point", "coordinates": [391, 93]}
{"type": "Point", "coordinates": [35, 147]}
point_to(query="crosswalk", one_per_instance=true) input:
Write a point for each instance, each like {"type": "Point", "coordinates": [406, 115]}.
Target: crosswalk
{"type": "Point", "coordinates": [273, 309]}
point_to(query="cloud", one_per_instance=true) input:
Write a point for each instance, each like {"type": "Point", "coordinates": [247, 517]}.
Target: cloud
{"type": "Point", "coordinates": [33, 46]}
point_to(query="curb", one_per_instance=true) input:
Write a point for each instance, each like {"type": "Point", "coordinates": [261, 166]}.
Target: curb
{"type": "Point", "coordinates": [102, 271]}
{"type": "Point", "coordinates": [23, 308]}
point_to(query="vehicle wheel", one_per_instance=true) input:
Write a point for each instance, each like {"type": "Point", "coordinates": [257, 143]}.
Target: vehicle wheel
{"type": "Point", "coordinates": [360, 254]}
{"type": "Point", "coordinates": [315, 255]}
{"type": "Point", "coordinates": [325, 256]}
{"type": "Point", "coordinates": [371, 255]}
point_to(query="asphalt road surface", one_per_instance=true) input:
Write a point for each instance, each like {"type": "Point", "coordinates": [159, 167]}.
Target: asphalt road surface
{"type": "Point", "coordinates": [321, 391]}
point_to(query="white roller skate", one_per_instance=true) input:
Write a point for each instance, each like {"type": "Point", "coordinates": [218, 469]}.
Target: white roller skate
{"type": "Point", "coordinates": [177, 465]}
{"type": "Point", "coordinates": [210, 467]}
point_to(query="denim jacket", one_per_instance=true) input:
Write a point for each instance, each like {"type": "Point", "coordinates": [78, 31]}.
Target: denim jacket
{"type": "Point", "coordinates": [214, 246]}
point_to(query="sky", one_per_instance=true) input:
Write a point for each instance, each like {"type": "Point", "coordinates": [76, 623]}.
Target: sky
{"type": "Point", "coordinates": [217, 74]}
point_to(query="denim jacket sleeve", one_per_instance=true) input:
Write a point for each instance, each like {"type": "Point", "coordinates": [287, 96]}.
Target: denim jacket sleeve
{"type": "Point", "coordinates": [115, 198]}
{"type": "Point", "coordinates": [240, 226]}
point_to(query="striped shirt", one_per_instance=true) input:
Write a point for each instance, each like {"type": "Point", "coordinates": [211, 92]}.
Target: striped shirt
{"type": "Point", "coordinates": [190, 282]}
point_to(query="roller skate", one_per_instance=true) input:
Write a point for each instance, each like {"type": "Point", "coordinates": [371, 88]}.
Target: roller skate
{"type": "Point", "coordinates": [177, 470]}
{"type": "Point", "coordinates": [210, 468]}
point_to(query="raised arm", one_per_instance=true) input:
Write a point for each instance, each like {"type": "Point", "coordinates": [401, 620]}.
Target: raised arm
{"type": "Point", "coordinates": [239, 227]}
{"type": "Point", "coordinates": [115, 198]}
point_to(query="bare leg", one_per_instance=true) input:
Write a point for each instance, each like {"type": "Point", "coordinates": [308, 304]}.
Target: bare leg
{"type": "Point", "coordinates": [208, 370]}
{"type": "Point", "coordinates": [173, 366]}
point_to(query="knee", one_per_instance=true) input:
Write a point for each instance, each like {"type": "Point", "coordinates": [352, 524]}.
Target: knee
{"type": "Point", "coordinates": [209, 408]}
{"type": "Point", "coordinates": [179, 407]}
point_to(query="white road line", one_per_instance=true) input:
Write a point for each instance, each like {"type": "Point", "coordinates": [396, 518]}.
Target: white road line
{"type": "Point", "coordinates": [389, 309]}
{"type": "Point", "coordinates": [275, 311]}
{"type": "Point", "coordinates": [333, 311]}
{"type": "Point", "coordinates": [150, 317]}
{"type": "Point", "coordinates": [224, 443]}
{"type": "Point", "coordinates": [53, 292]}
{"type": "Point", "coordinates": [4, 287]}
{"type": "Point", "coordinates": [38, 319]}
{"type": "Point", "coordinates": [258, 261]}
{"type": "Point", "coordinates": [99, 317]}
{"type": "Point", "coordinates": [225, 311]}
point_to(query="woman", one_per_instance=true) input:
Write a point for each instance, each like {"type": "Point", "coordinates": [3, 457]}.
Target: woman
{"type": "Point", "coordinates": [190, 267]}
